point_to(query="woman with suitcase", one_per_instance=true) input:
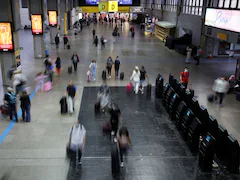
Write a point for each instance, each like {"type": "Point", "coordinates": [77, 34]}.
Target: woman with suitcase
{"type": "Point", "coordinates": [93, 67]}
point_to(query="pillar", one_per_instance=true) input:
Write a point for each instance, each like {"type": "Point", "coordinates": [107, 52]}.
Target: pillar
{"type": "Point", "coordinates": [10, 12]}
{"type": "Point", "coordinates": [37, 7]}
{"type": "Point", "coordinates": [63, 17]}
{"type": "Point", "coordinates": [52, 5]}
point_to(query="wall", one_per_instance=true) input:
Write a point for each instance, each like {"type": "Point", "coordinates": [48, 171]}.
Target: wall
{"type": "Point", "coordinates": [157, 14]}
{"type": "Point", "coordinates": [24, 15]}
{"type": "Point", "coordinates": [193, 23]}
{"type": "Point", "coordinates": [170, 17]}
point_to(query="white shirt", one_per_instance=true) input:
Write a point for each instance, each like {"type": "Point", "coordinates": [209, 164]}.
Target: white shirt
{"type": "Point", "coordinates": [78, 134]}
{"type": "Point", "coordinates": [135, 76]}
{"type": "Point", "coordinates": [220, 86]}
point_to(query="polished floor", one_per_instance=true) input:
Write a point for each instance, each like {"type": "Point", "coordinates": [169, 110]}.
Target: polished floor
{"type": "Point", "coordinates": [37, 150]}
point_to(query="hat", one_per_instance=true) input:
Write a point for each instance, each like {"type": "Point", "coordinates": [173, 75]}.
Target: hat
{"type": "Point", "coordinates": [9, 89]}
{"type": "Point", "coordinates": [136, 67]}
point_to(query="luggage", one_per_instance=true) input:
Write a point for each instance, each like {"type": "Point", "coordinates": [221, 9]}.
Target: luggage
{"type": "Point", "coordinates": [238, 96]}
{"type": "Point", "coordinates": [106, 127]}
{"type": "Point", "coordinates": [114, 33]}
{"type": "Point", "coordinates": [63, 103]}
{"type": "Point", "coordinates": [4, 109]}
{"type": "Point", "coordinates": [70, 69]}
{"type": "Point", "coordinates": [104, 75]}
{"type": "Point", "coordinates": [47, 86]}
{"type": "Point", "coordinates": [68, 46]}
{"type": "Point", "coordinates": [115, 160]}
{"type": "Point", "coordinates": [211, 98]}
{"type": "Point", "coordinates": [129, 87]}
{"type": "Point", "coordinates": [121, 75]}
{"type": "Point", "coordinates": [97, 107]}
{"type": "Point", "coordinates": [118, 34]}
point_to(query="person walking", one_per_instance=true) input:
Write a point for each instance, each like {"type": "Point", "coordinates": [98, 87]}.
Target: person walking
{"type": "Point", "coordinates": [189, 55]}
{"type": "Point", "coordinates": [197, 57]}
{"type": "Point", "coordinates": [95, 41]}
{"type": "Point", "coordinates": [109, 66]}
{"type": "Point", "coordinates": [49, 71]}
{"type": "Point", "coordinates": [25, 106]}
{"type": "Point", "coordinates": [143, 76]}
{"type": "Point", "coordinates": [71, 93]}
{"type": "Point", "coordinates": [93, 33]}
{"type": "Point", "coordinates": [184, 77]}
{"type": "Point", "coordinates": [93, 67]}
{"type": "Point", "coordinates": [117, 64]}
{"type": "Point", "coordinates": [65, 40]}
{"type": "Point", "coordinates": [102, 43]}
{"type": "Point", "coordinates": [75, 61]}
{"type": "Point", "coordinates": [136, 78]}
{"type": "Point", "coordinates": [10, 97]}
{"type": "Point", "coordinates": [58, 65]}
{"type": "Point", "coordinates": [77, 140]}
{"type": "Point", "coordinates": [220, 87]}
{"type": "Point", "coordinates": [115, 116]}
{"type": "Point", "coordinates": [57, 40]}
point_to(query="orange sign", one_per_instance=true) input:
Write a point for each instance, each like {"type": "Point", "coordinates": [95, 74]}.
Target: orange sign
{"type": "Point", "coordinates": [6, 41]}
{"type": "Point", "coordinates": [36, 24]}
{"type": "Point", "coordinates": [52, 17]}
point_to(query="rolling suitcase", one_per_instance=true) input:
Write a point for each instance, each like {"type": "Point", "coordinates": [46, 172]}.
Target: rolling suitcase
{"type": "Point", "coordinates": [121, 75]}
{"type": "Point", "coordinates": [63, 103]}
{"type": "Point", "coordinates": [115, 160]}
{"type": "Point", "coordinates": [129, 87]}
{"type": "Point", "coordinates": [97, 107]}
{"type": "Point", "coordinates": [47, 86]}
{"type": "Point", "coordinates": [68, 46]}
{"type": "Point", "coordinates": [104, 75]}
{"type": "Point", "coordinates": [70, 69]}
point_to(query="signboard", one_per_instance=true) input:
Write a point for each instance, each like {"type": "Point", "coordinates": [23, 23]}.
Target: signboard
{"type": "Point", "coordinates": [102, 6]}
{"type": "Point", "coordinates": [112, 6]}
{"type": "Point", "coordinates": [222, 36]}
{"type": "Point", "coordinates": [37, 27]}
{"type": "Point", "coordinates": [52, 18]}
{"type": "Point", "coordinates": [136, 9]}
{"type": "Point", "coordinates": [6, 39]}
{"type": "Point", "coordinates": [18, 60]}
{"type": "Point", "coordinates": [223, 19]}
{"type": "Point", "coordinates": [120, 2]}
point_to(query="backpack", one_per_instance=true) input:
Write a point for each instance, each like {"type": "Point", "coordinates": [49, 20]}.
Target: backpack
{"type": "Point", "coordinates": [124, 143]}
{"type": "Point", "coordinates": [109, 63]}
{"type": "Point", "coordinates": [12, 98]}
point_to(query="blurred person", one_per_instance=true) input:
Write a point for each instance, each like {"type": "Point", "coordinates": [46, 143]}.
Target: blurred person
{"type": "Point", "coordinates": [49, 71]}
{"type": "Point", "coordinates": [77, 140]}
{"type": "Point", "coordinates": [10, 98]}
{"type": "Point", "coordinates": [25, 106]}
{"type": "Point", "coordinates": [143, 76]}
{"type": "Point", "coordinates": [94, 33]}
{"type": "Point", "coordinates": [93, 67]}
{"type": "Point", "coordinates": [115, 116]}
{"type": "Point", "coordinates": [95, 41]}
{"type": "Point", "coordinates": [40, 81]}
{"type": "Point", "coordinates": [19, 80]}
{"type": "Point", "coordinates": [197, 57]}
{"type": "Point", "coordinates": [189, 54]}
{"type": "Point", "coordinates": [136, 78]}
{"type": "Point", "coordinates": [75, 61]}
{"type": "Point", "coordinates": [103, 97]}
{"type": "Point", "coordinates": [71, 93]}
{"type": "Point", "coordinates": [220, 87]}
{"type": "Point", "coordinates": [117, 64]}
{"type": "Point", "coordinates": [58, 65]}
{"type": "Point", "coordinates": [57, 40]}
{"type": "Point", "coordinates": [109, 66]}
{"type": "Point", "coordinates": [184, 77]}
{"type": "Point", "coordinates": [124, 143]}
{"type": "Point", "coordinates": [65, 40]}
{"type": "Point", "coordinates": [102, 43]}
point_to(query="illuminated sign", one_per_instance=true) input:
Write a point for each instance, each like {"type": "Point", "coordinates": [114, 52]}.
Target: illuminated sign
{"type": "Point", "coordinates": [112, 6]}
{"type": "Point", "coordinates": [52, 18]}
{"type": "Point", "coordinates": [223, 19]}
{"type": "Point", "coordinates": [102, 6]}
{"type": "Point", "coordinates": [6, 39]}
{"type": "Point", "coordinates": [37, 27]}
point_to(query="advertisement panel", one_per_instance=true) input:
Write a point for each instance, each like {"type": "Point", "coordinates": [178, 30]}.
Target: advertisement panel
{"type": "Point", "coordinates": [102, 6]}
{"type": "Point", "coordinates": [37, 27]}
{"type": "Point", "coordinates": [18, 60]}
{"type": "Point", "coordinates": [6, 38]}
{"type": "Point", "coordinates": [223, 19]}
{"type": "Point", "coordinates": [120, 2]}
{"type": "Point", "coordinates": [52, 18]}
{"type": "Point", "coordinates": [112, 6]}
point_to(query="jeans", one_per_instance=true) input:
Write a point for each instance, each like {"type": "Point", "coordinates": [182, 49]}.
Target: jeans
{"type": "Point", "coordinates": [93, 75]}
{"type": "Point", "coordinates": [70, 104]}
{"type": "Point", "coordinates": [116, 73]}
{"type": "Point", "coordinates": [220, 95]}
{"type": "Point", "coordinates": [26, 111]}
{"type": "Point", "coordinates": [51, 76]}
{"type": "Point", "coordinates": [122, 151]}
{"type": "Point", "coordinates": [109, 69]}
{"type": "Point", "coordinates": [75, 66]}
{"type": "Point", "coordinates": [13, 111]}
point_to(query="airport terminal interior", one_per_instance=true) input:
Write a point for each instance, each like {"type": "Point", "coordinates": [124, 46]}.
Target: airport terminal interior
{"type": "Point", "coordinates": [160, 145]}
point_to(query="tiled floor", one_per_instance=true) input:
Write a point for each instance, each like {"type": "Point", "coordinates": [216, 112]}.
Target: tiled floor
{"type": "Point", "coordinates": [37, 150]}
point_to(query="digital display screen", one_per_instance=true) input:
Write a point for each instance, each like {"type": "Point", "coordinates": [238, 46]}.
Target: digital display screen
{"type": "Point", "coordinates": [37, 27]}
{"type": "Point", "coordinates": [174, 96]}
{"type": "Point", "coordinates": [120, 2]}
{"type": "Point", "coordinates": [223, 19]}
{"type": "Point", "coordinates": [52, 17]}
{"type": "Point", "coordinates": [188, 113]}
{"type": "Point", "coordinates": [6, 39]}
{"type": "Point", "coordinates": [208, 138]}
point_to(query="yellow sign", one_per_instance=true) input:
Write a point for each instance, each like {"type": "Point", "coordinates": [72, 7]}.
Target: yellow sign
{"type": "Point", "coordinates": [65, 24]}
{"type": "Point", "coordinates": [102, 6]}
{"type": "Point", "coordinates": [89, 9]}
{"type": "Point", "coordinates": [222, 36]}
{"type": "Point", "coordinates": [112, 6]}
{"type": "Point", "coordinates": [124, 9]}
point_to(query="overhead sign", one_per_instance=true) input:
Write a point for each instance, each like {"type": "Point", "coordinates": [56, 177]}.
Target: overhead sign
{"type": "Point", "coordinates": [18, 60]}
{"type": "Point", "coordinates": [136, 9]}
{"type": "Point", "coordinates": [52, 18]}
{"type": "Point", "coordinates": [6, 39]}
{"type": "Point", "coordinates": [223, 19]}
{"type": "Point", "coordinates": [112, 6]}
{"type": "Point", "coordinates": [222, 36]}
{"type": "Point", "coordinates": [37, 27]}
{"type": "Point", "coordinates": [103, 6]}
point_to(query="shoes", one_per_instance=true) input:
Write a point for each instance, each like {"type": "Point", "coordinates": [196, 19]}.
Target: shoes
{"type": "Point", "coordinates": [122, 165]}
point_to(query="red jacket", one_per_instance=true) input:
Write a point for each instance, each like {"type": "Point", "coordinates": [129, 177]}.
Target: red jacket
{"type": "Point", "coordinates": [185, 77]}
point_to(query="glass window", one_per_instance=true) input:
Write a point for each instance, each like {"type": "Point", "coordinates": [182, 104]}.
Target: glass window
{"type": "Point", "coordinates": [200, 11]}
{"type": "Point", "coordinates": [196, 10]}
{"type": "Point", "coordinates": [226, 4]}
{"type": "Point", "coordinates": [238, 4]}
{"type": "Point", "coordinates": [233, 3]}
{"type": "Point", "coordinates": [201, 3]}
{"type": "Point", "coordinates": [193, 10]}
{"type": "Point", "coordinates": [190, 2]}
{"type": "Point", "coordinates": [193, 2]}
{"type": "Point", "coordinates": [220, 3]}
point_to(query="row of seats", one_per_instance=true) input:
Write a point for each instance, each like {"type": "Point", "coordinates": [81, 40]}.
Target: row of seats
{"type": "Point", "coordinates": [194, 122]}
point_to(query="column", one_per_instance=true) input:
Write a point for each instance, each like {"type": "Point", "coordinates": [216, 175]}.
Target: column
{"type": "Point", "coordinates": [36, 8]}
{"type": "Point", "coordinates": [10, 13]}
{"type": "Point", "coordinates": [63, 17]}
{"type": "Point", "coordinates": [52, 5]}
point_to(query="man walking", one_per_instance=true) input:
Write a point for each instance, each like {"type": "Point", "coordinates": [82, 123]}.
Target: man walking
{"type": "Point", "coordinates": [117, 66]}
{"type": "Point", "coordinates": [184, 77]}
{"type": "Point", "coordinates": [10, 97]}
{"type": "Point", "coordinates": [71, 92]}
{"type": "Point", "coordinates": [93, 33]}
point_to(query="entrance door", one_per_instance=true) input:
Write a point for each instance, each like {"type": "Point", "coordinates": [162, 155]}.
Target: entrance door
{"type": "Point", "coordinates": [224, 47]}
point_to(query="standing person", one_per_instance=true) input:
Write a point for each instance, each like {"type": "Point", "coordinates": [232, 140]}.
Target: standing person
{"type": "Point", "coordinates": [93, 33]}
{"type": "Point", "coordinates": [75, 61]}
{"type": "Point", "coordinates": [115, 115]}
{"type": "Point", "coordinates": [49, 71]}
{"type": "Point", "coordinates": [124, 142]}
{"type": "Point", "coordinates": [117, 64]}
{"type": "Point", "coordinates": [189, 54]}
{"type": "Point", "coordinates": [40, 81]}
{"type": "Point", "coordinates": [81, 26]}
{"type": "Point", "coordinates": [109, 66]}
{"type": "Point", "coordinates": [77, 140]}
{"type": "Point", "coordinates": [197, 57]}
{"type": "Point", "coordinates": [65, 40]}
{"type": "Point", "coordinates": [102, 43]}
{"type": "Point", "coordinates": [93, 67]}
{"type": "Point", "coordinates": [136, 78]}
{"type": "Point", "coordinates": [143, 76]}
{"type": "Point", "coordinates": [58, 65]}
{"type": "Point", "coordinates": [184, 77]}
{"type": "Point", "coordinates": [10, 97]}
{"type": "Point", "coordinates": [95, 41]}
{"type": "Point", "coordinates": [71, 93]}
{"type": "Point", "coordinates": [25, 106]}
{"type": "Point", "coordinates": [220, 87]}
{"type": "Point", "coordinates": [57, 40]}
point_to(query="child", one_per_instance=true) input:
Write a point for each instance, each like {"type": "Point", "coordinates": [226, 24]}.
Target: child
{"type": "Point", "coordinates": [40, 81]}
{"type": "Point", "coordinates": [89, 75]}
